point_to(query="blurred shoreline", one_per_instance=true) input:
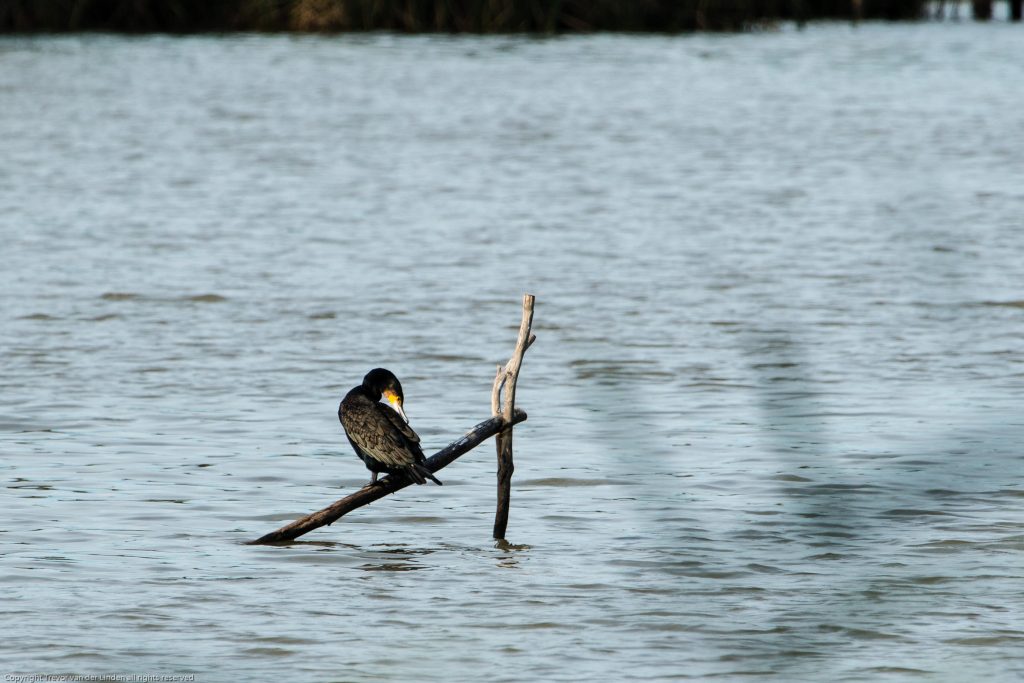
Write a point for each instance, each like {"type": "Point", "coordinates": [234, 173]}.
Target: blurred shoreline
{"type": "Point", "coordinates": [435, 16]}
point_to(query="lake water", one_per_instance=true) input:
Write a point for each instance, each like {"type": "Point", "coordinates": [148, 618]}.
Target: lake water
{"type": "Point", "coordinates": [775, 420]}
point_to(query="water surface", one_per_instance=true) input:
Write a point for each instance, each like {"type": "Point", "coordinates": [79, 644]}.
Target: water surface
{"type": "Point", "coordinates": [775, 426]}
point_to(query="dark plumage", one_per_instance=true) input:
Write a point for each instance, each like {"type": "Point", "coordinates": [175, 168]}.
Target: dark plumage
{"type": "Point", "coordinates": [379, 433]}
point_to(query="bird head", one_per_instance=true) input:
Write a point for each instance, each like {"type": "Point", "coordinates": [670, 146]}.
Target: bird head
{"type": "Point", "coordinates": [381, 383]}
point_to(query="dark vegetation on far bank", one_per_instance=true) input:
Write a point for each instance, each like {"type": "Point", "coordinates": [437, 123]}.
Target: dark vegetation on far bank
{"type": "Point", "coordinates": [446, 16]}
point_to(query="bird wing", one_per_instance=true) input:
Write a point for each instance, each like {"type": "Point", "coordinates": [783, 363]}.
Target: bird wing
{"type": "Point", "coordinates": [399, 424]}
{"type": "Point", "coordinates": [376, 435]}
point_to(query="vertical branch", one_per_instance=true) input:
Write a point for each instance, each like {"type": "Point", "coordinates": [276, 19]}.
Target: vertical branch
{"type": "Point", "coordinates": [508, 376]}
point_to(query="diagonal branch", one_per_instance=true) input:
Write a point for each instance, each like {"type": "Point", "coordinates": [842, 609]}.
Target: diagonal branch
{"type": "Point", "coordinates": [389, 484]}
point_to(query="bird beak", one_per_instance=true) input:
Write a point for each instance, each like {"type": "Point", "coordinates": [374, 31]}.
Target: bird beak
{"type": "Point", "coordinates": [396, 403]}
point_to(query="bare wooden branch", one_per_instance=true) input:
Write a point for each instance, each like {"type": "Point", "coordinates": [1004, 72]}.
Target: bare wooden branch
{"type": "Point", "coordinates": [503, 442]}
{"type": "Point", "coordinates": [499, 380]}
{"type": "Point", "coordinates": [389, 484]}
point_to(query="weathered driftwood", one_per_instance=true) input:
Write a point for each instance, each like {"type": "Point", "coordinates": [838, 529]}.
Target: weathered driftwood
{"type": "Point", "coordinates": [506, 378]}
{"type": "Point", "coordinates": [390, 483]}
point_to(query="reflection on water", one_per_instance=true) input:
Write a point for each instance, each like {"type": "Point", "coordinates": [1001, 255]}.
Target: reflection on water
{"type": "Point", "coordinates": [774, 404]}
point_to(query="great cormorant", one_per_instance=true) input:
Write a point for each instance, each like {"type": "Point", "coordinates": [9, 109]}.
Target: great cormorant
{"type": "Point", "coordinates": [380, 433]}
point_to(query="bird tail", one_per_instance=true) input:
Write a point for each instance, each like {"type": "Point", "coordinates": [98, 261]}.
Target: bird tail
{"type": "Point", "coordinates": [420, 471]}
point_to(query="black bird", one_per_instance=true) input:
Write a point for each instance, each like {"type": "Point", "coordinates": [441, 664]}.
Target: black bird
{"type": "Point", "coordinates": [380, 433]}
